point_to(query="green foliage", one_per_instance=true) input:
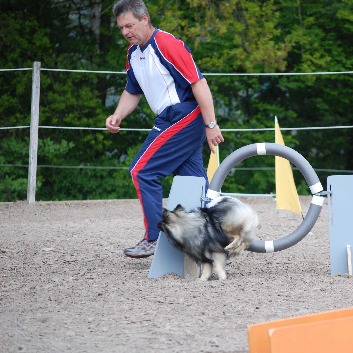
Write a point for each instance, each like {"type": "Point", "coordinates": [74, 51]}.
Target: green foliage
{"type": "Point", "coordinates": [233, 36]}
{"type": "Point", "coordinates": [13, 177]}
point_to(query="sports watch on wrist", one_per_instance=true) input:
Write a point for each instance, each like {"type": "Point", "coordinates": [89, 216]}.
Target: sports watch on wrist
{"type": "Point", "coordinates": [211, 125]}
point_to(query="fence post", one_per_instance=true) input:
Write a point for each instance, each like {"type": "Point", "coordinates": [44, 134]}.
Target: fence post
{"type": "Point", "coordinates": [33, 147]}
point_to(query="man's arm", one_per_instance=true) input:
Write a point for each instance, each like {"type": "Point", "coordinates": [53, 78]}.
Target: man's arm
{"type": "Point", "coordinates": [127, 104]}
{"type": "Point", "coordinates": [204, 98]}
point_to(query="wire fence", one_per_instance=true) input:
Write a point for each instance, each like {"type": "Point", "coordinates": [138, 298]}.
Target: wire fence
{"type": "Point", "coordinates": [34, 127]}
{"type": "Point", "coordinates": [147, 130]}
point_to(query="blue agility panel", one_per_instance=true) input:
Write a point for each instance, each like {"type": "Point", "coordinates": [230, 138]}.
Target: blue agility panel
{"type": "Point", "coordinates": [340, 190]}
{"type": "Point", "coordinates": [187, 191]}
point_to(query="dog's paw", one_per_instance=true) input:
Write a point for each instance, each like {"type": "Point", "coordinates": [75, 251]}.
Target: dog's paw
{"type": "Point", "coordinates": [235, 243]}
{"type": "Point", "coordinates": [222, 277]}
{"type": "Point", "coordinates": [238, 250]}
{"type": "Point", "coordinates": [206, 272]}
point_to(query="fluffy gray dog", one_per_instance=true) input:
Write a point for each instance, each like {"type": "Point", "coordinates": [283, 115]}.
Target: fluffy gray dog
{"type": "Point", "coordinates": [224, 228]}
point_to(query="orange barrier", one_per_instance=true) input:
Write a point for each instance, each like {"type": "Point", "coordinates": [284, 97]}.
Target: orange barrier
{"type": "Point", "coordinates": [325, 332]}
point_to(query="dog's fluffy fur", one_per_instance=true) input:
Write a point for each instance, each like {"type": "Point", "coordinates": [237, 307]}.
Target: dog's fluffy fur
{"type": "Point", "coordinates": [224, 228]}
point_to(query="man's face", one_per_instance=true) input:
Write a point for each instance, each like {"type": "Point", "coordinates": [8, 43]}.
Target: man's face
{"type": "Point", "coordinates": [135, 31]}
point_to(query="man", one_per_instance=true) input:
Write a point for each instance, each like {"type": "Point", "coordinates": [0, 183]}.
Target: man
{"type": "Point", "coordinates": [161, 67]}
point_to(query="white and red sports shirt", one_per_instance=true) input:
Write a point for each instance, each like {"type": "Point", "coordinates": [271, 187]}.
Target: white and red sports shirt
{"type": "Point", "coordinates": [162, 70]}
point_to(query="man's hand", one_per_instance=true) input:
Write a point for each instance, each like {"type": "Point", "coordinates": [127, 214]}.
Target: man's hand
{"type": "Point", "coordinates": [214, 137]}
{"type": "Point", "coordinates": [113, 123]}
{"type": "Point", "coordinates": [127, 103]}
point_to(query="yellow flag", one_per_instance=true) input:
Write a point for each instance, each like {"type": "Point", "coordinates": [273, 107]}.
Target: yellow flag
{"type": "Point", "coordinates": [213, 164]}
{"type": "Point", "coordinates": [286, 192]}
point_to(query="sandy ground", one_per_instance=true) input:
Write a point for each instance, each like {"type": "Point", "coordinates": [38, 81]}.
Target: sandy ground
{"type": "Point", "coordinates": [66, 286]}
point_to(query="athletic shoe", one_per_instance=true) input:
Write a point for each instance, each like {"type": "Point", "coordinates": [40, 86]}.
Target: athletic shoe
{"type": "Point", "coordinates": [144, 248]}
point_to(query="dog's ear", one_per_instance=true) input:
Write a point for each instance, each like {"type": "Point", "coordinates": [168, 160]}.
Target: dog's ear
{"type": "Point", "coordinates": [179, 208]}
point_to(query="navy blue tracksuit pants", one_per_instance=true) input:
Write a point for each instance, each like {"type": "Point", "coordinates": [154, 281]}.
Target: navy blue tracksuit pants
{"type": "Point", "coordinates": [173, 146]}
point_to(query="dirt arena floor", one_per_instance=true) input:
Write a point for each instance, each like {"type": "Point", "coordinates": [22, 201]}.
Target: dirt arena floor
{"type": "Point", "coordinates": [65, 285]}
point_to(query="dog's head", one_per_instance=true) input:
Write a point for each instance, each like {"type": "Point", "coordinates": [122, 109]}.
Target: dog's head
{"type": "Point", "coordinates": [172, 219]}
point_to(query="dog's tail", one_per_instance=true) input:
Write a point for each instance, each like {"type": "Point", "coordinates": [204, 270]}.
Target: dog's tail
{"type": "Point", "coordinates": [244, 227]}
{"type": "Point", "coordinates": [250, 219]}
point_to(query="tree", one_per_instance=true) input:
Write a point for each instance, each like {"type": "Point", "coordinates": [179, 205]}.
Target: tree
{"type": "Point", "coordinates": [236, 36]}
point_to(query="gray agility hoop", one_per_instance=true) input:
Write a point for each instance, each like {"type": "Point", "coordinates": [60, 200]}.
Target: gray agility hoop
{"type": "Point", "coordinates": [303, 166]}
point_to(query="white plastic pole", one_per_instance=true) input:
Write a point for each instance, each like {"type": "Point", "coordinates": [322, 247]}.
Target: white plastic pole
{"type": "Point", "coordinates": [349, 258]}
{"type": "Point", "coordinates": [33, 147]}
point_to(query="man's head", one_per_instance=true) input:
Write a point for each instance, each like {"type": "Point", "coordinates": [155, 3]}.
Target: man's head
{"type": "Point", "coordinates": [136, 7]}
{"type": "Point", "coordinates": [133, 20]}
